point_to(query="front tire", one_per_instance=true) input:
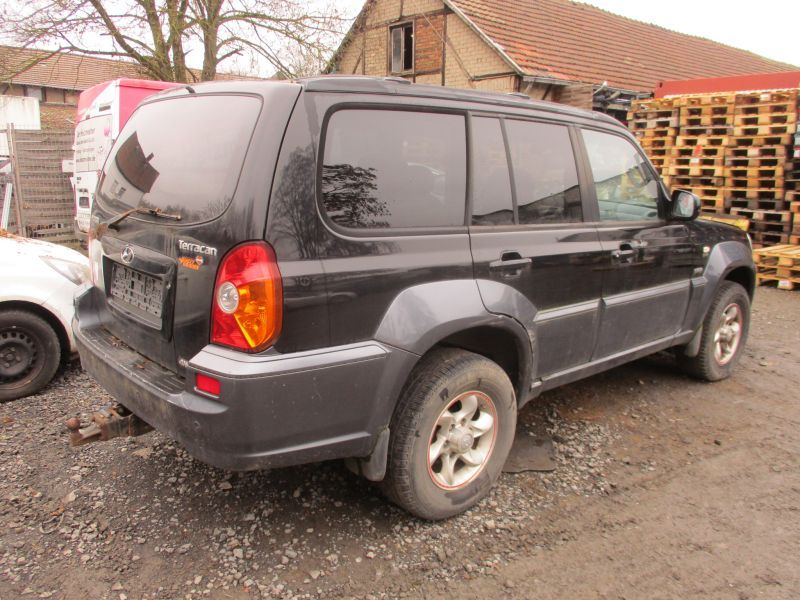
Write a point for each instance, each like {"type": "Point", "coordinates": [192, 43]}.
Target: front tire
{"type": "Point", "coordinates": [725, 330]}
{"type": "Point", "coordinates": [29, 354]}
{"type": "Point", "coordinates": [450, 434]}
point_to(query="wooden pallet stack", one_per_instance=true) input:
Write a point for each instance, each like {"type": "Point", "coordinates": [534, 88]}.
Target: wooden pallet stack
{"type": "Point", "coordinates": [792, 184]}
{"type": "Point", "coordinates": [734, 150]}
{"type": "Point", "coordinates": [697, 160]}
{"type": "Point", "coordinates": [757, 163]}
{"type": "Point", "coordinates": [655, 123]}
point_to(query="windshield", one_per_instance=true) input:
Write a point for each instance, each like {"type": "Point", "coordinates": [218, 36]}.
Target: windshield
{"type": "Point", "coordinates": [181, 155]}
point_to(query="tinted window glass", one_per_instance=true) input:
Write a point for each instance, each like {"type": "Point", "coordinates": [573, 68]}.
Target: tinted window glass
{"type": "Point", "coordinates": [491, 196]}
{"type": "Point", "coordinates": [545, 174]}
{"type": "Point", "coordinates": [182, 155]}
{"type": "Point", "coordinates": [626, 188]}
{"type": "Point", "coordinates": [385, 168]}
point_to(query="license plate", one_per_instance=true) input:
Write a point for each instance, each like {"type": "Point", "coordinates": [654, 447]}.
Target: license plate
{"type": "Point", "coordinates": [137, 290]}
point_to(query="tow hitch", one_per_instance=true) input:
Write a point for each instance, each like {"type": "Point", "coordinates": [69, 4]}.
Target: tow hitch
{"type": "Point", "coordinates": [107, 423]}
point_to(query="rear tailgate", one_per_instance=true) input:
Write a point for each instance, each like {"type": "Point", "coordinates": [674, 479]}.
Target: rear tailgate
{"type": "Point", "coordinates": [204, 159]}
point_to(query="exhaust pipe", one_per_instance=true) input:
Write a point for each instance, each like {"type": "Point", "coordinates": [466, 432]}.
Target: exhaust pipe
{"type": "Point", "coordinates": [106, 424]}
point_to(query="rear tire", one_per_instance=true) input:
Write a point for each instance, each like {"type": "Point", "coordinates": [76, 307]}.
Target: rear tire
{"type": "Point", "coordinates": [442, 459]}
{"type": "Point", "coordinates": [725, 330]}
{"type": "Point", "coordinates": [30, 354]}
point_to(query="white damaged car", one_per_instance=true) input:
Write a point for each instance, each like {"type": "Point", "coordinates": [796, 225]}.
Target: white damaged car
{"type": "Point", "coordinates": [37, 282]}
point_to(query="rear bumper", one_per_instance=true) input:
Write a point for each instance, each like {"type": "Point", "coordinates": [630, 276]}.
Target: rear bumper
{"type": "Point", "coordinates": [273, 410]}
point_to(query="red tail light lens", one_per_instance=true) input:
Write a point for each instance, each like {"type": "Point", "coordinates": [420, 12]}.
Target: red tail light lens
{"type": "Point", "coordinates": [247, 311]}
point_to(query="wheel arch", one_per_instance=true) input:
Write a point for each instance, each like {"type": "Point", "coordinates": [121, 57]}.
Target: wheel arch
{"type": "Point", "coordinates": [744, 276]}
{"type": "Point", "coordinates": [452, 313]}
{"type": "Point", "coordinates": [500, 345]}
{"type": "Point", "coordinates": [47, 316]}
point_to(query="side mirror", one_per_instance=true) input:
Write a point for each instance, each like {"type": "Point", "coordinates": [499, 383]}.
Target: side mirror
{"type": "Point", "coordinates": [685, 205]}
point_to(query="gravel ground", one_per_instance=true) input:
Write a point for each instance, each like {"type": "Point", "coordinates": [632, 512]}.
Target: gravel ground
{"type": "Point", "coordinates": [647, 462]}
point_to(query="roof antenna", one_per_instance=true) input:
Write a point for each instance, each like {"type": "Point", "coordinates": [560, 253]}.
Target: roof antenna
{"type": "Point", "coordinates": [190, 89]}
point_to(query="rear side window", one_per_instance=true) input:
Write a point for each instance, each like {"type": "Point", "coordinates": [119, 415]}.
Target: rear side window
{"type": "Point", "coordinates": [182, 155]}
{"type": "Point", "coordinates": [394, 169]}
{"type": "Point", "coordinates": [491, 196]}
{"type": "Point", "coordinates": [545, 174]}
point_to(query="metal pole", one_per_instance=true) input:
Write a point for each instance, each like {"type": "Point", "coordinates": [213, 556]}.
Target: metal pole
{"type": "Point", "coordinates": [6, 206]}
{"type": "Point", "coordinates": [12, 149]}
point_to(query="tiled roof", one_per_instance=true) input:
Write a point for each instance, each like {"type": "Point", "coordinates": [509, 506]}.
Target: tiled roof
{"type": "Point", "coordinates": [62, 70]}
{"type": "Point", "coordinates": [70, 71]}
{"type": "Point", "coordinates": [574, 41]}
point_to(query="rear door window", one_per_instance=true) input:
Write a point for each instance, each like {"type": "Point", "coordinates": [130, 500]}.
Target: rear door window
{"type": "Point", "coordinates": [492, 203]}
{"type": "Point", "coordinates": [394, 169]}
{"type": "Point", "coordinates": [182, 155]}
{"type": "Point", "coordinates": [545, 174]}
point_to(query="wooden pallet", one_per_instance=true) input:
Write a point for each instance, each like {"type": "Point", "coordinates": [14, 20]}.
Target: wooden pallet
{"type": "Point", "coordinates": [766, 172]}
{"type": "Point", "coordinates": [651, 144]}
{"type": "Point", "coordinates": [757, 120]}
{"type": "Point", "coordinates": [705, 130]}
{"type": "Point", "coordinates": [764, 130]}
{"type": "Point", "coordinates": [654, 122]}
{"type": "Point", "coordinates": [784, 217]}
{"type": "Point", "coordinates": [754, 193]}
{"type": "Point", "coordinates": [697, 151]}
{"type": "Point", "coordinates": [752, 151]}
{"type": "Point", "coordinates": [696, 169]}
{"type": "Point", "coordinates": [741, 141]}
{"type": "Point", "coordinates": [766, 97]}
{"type": "Point", "coordinates": [703, 182]}
{"type": "Point", "coordinates": [703, 100]}
{"type": "Point", "coordinates": [778, 263]}
{"type": "Point", "coordinates": [702, 140]}
{"type": "Point", "coordinates": [760, 162]}
{"type": "Point", "coordinates": [769, 238]}
{"type": "Point", "coordinates": [767, 108]}
{"type": "Point", "coordinates": [756, 203]}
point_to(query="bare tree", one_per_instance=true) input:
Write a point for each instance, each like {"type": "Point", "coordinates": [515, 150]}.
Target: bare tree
{"type": "Point", "coordinates": [163, 36]}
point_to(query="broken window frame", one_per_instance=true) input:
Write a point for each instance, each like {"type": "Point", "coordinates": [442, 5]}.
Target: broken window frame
{"type": "Point", "coordinates": [406, 54]}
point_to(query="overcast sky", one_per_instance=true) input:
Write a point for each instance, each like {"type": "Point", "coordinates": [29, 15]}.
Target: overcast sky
{"type": "Point", "coordinates": [767, 27]}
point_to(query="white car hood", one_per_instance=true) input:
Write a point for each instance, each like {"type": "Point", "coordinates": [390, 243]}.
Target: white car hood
{"type": "Point", "coordinates": [14, 245]}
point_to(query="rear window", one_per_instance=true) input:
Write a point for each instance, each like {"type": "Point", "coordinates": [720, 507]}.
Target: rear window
{"type": "Point", "coordinates": [385, 168]}
{"type": "Point", "coordinates": [181, 155]}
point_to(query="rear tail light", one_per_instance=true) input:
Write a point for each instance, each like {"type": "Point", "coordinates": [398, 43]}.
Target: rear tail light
{"type": "Point", "coordinates": [247, 311]}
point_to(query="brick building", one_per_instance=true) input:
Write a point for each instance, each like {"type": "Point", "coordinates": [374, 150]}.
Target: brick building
{"type": "Point", "coordinates": [548, 49]}
{"type": "Point", "coordinates": [56, 80]}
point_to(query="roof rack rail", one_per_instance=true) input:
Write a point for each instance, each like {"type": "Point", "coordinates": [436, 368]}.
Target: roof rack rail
{"type": "Point", "coordinates": [518, 95]}
{"type": "Point", "coordinates": [398, 80]}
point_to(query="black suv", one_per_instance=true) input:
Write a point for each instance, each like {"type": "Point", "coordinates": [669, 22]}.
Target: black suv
{"type": "Point", "coordinates": [360, 268]}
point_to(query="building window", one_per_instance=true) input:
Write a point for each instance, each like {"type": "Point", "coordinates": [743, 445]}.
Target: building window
{"type": "Point", "coordinates": [53, 96]}
{"type": "Point", "coordinates": [402, 38]}
{"type": "Point", "coordinates": [32, 91]}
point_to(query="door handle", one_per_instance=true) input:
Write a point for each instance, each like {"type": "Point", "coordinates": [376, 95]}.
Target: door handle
{"type": "Point", "coordinates": [626, 251]}
{"type": "Point", "coordinates": [510, 260]}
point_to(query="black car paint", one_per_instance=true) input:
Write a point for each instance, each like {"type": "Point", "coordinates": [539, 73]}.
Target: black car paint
{"type": "Point", "coordinates": [360, 309]}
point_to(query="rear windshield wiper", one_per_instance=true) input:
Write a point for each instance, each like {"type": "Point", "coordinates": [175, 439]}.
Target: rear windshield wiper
{"type": "Point", "coordinates": [114, 221]}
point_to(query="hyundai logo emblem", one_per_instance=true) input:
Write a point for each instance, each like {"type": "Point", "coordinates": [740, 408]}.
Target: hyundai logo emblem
{"type": "Point", "coordinates": [127, 255]}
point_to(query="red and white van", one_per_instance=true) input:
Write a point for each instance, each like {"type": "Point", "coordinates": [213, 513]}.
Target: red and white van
{"type": "Point", "coordinates": [102, 112]}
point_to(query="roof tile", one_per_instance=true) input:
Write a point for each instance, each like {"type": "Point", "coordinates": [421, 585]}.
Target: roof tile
{"type": "Point", "coordinates": [71, 71]}
{"type": "Point", "coordinates": [578, 42]}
